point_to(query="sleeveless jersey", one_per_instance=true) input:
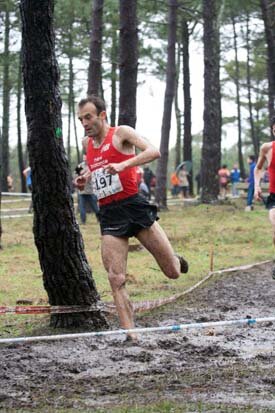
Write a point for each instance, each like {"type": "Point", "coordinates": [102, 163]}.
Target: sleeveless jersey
{"type": "Point", "coordinates": [107, 187]}
{"type": "Point", "coordinates": [271, 171]}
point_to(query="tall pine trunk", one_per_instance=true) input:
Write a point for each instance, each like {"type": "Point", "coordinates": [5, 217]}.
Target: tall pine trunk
{"type": "Point", "coordinates": [238, 100]}
{"type": "Point", "coordinates": [177, 110]}
{"type": "Point", "coordinates": [128, 62]}
{"type": "Point", "coordinates": [211, 147]}
{"type": "Point", "coordinates": [268, 18]}
{"type": "Point", "coordinates": [66, 274]}
{"type": "Point", "coordinates": [254, 138]}
{"type": "Point", "coordinates": [6, 102]}
{"type": "Point", "coordinates": [114, 54]}
{"type": "Point", "coordinates": [21, 162]}
{"type": "Point", "coordinates": [161, 174]}
{"type": "Point", "coordinates": [187, 136]}
{"type": "Point", "coordinates": [94, 74]}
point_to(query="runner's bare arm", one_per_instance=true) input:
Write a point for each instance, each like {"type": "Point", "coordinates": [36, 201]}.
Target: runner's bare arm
{"type": "Point", "coordinates": [258, 171]}
{"type": "Point", "coordinates": [126, 140]}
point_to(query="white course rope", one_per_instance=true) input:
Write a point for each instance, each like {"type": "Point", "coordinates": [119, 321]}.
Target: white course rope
{"type": "Point", "coordinates": [173, 328]}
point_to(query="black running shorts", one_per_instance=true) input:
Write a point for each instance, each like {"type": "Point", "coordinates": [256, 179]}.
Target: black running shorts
{"type": "Point", "coordinates": [270, 201]}
{"type": "Point", "coordinates": [127, 217]}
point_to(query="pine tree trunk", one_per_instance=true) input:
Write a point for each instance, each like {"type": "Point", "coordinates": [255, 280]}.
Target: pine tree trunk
{"type": "Point", "coordinates": [21, 163]}
{"type": "Point", "coordinates": [161, 174]}
{"type": "Point", "coordinates": [94, 74]}
{"type": "Point", "coordinates": [128, 62]}
{"type": "Point", "coordinates": [238, 100]}
{"type": "Point", "coordinates": [177, 110]}
{"type": "Point", "coordinates": [6, 103]}
{"type": "Point", "coordinates": [211, 148]}
{"type": "Point", "coordinates": [268, 18]}
{"type": "Point", "coordinates": [187, 136]}
{"type": "Point", "coordinates": [66, 274]}
{"type": "Point", "coordinates": [114, 78]}
{"type": "Point", "coordinates": [254, 138]}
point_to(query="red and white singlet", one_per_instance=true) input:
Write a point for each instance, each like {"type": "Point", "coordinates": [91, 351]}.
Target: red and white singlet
{"type": "Point", "coordinates": [107, 187]}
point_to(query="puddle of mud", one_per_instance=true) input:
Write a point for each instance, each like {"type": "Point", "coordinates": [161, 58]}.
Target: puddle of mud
{"type": "Point", "coordinates": [230, 365]}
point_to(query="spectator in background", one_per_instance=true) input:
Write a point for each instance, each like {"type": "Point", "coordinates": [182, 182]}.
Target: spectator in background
{"type": "Point", "coordinates": [251, 160]}
{"type": "Point", "coordinates": [148, 175]}
{"type": "Point", "coordinates": [28, 175]}
{"type": "Point", "coordinates": [224, 178]}
{"type": "Point", "coordinates": [10, 183]}
{"type": "Point", "coordinates": [235, 176]}
{"type": "Point", "coordinates": [198, 180]}
{"type": "Point", "coordinates": [183, 181]}
{"type": "Point", "coordinates": [86, 197]}
{"type": "Point", "coordinates": [174, 180]}
{"type": "Point", "coordinates": [143, 190]}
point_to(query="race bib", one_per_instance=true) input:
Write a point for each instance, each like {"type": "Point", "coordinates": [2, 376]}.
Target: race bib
{"type": "Point", "coordinates": [105, 184]}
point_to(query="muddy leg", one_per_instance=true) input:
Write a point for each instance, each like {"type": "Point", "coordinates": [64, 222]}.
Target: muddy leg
{"type": "Point", "coordinates": [114, 255]}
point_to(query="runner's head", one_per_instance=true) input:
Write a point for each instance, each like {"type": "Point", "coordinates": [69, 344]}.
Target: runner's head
{"type": "Point", "coordinates": [92, 115]}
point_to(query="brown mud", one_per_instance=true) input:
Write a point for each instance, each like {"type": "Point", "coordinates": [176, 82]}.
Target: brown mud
{"type": "Point", "coordinates": [231, 366]}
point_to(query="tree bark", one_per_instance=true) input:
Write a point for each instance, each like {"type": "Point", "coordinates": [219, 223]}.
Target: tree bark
{"type": "Point", "coordinates": [254, 138]}
{"type": "Point", "coordinates": [128, 62]}
{"type": "Point", "coordinates": [6, 103]}
{"type": "Point", "coordinates": [211, 147]}
{"type": "Point", "coordinates": [114, 77]}
{"type": "Point", "coordinates": [95, 74]}
{"type": "Point", "coordinates": [21, 163]}
{"type": "Point", "coordinates": [238, 100]}
{"type": "Point", "coordinates": [161, 174]}
{"type": "Point", "coordinates": [66, 274]}
{"type": "Point", "coordinates": [177, 110]}
{"type": "Point", "coordinates": [187, 136]}
{"type": "Point", "coordinates": [268, 18]}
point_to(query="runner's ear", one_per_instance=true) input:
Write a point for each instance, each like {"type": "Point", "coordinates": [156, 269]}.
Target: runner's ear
{"type": "Point", "coordinates": [102, 115]}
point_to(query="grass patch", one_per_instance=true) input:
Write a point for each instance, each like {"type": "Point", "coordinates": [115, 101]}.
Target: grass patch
{"type": "Point", "coordinates": [236, 237]}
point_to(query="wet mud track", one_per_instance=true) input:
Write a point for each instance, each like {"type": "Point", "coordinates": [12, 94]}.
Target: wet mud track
{"type": "Point", "coordinates": [231, 366]}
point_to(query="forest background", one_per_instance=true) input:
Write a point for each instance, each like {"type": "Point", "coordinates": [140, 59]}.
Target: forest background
{"type": "Point", "coordinates": [243, 68]}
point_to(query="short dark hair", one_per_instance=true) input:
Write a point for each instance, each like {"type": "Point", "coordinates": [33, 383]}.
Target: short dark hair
{"type": "Point", "coordinates": [96, 100]}
{"type": "Point", "coordinates": [224, 166]}
{"type": "Point", "coordinates": [252, 158]}
{"type": "Point", "coordinates": [272, 121]}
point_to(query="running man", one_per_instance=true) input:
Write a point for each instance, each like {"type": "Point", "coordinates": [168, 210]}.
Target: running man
{"type": "Point", "coordinates": [112, 160]}
{"type": "Point", "coordinates": [267, 154]}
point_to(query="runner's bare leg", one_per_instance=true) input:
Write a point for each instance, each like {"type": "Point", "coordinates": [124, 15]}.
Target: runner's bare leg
{"type": "Point", "coordinates": [156, 242]}
{"type": "Point", "coordinates": [114, 255]}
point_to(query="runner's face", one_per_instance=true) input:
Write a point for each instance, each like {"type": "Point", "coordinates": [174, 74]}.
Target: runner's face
{"type": "Point", "coordinates": [91, 121]}
{"type": "Point", "coordinates": [273, 129]}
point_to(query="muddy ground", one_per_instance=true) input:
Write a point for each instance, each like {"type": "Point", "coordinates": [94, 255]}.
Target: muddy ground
{"type": "Point", "coordinates": [216, 368]}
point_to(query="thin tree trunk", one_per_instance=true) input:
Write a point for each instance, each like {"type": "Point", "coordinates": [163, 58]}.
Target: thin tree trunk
{"type": "Point", "coordinates": [94, 74]}
{"type": "Point", "coordinates": [254, 138]}
{"type": "Point", "coordinates": [128, 62]}
{"type": "Point", "coordinates": [161, 174]}
{"type": "Point", "coordinates": [268, 18]}
{"type": "Point", "coordinates": [187, 135]}
{"type": "Point", "coordinates": [66, 274]}
{"type": "Point", "coordinates": [74, 121]}
{"type": "Point", "coordinates": [21, 163]}
{"type": "Point", "coordinates": [6, 104]}
{"type": "Point", "coordinates": [238, 101]}
{"type": "Point", "coordinates": [211, 148]}
{"type": "Point", "coordinates": [114, 77]}
{"type": "Point", "coordinates": [177, 110]}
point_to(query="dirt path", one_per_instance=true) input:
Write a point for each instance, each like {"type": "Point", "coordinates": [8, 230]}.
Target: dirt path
{"type": "Point", "coordinates": [229, 366]}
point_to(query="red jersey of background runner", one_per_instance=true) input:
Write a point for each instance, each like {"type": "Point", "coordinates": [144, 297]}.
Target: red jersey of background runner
{"type": "Point", "coordinates": [103, 155]}
{"type": "Point", "coordinates": [271, 171]}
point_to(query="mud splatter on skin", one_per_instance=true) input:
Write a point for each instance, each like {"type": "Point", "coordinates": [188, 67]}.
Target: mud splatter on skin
{"type": "Point", "coordinates": [232, 365]}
